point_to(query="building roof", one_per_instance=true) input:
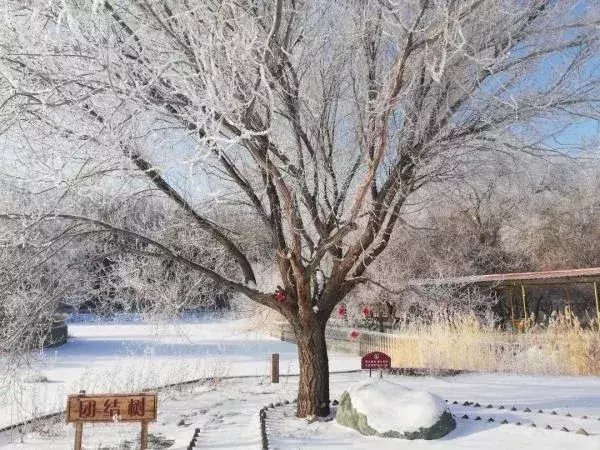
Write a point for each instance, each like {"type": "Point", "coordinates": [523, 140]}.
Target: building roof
{"type": "Point", "coordinates": [569, 276]}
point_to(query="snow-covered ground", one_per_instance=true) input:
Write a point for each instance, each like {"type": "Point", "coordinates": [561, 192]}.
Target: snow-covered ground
{"type": "Point", "coordinates": [564, 395]}
{"type": "Point", "coordinates": [127, 357]}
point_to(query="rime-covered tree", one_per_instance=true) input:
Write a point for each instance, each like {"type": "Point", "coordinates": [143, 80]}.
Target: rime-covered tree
{"type": "Point", "coordinates": [320, 118]}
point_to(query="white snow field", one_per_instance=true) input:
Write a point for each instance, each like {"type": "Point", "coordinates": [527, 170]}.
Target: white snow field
{"type": "Point", "coordinates": [128, 357]}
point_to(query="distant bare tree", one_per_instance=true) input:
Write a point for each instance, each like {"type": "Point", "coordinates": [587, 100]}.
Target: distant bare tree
{"type": "Point", "coordinates": [562, 228]}
{"type": "Point", "coordinates": [320, 118]}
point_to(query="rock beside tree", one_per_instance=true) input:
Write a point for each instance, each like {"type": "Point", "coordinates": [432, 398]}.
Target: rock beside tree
{"type": "Point", "coordinates": [386, 409]}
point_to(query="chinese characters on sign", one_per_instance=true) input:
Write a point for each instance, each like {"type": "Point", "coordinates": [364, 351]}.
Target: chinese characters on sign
{"type": "Point", "coordinates": [375, 360]}
{"type": "Point", "coordinates": [87, 408]}
{"type": "Point", "coordinates": [137, 407]}
{"type": "Point", "coordinates": [111, 408]}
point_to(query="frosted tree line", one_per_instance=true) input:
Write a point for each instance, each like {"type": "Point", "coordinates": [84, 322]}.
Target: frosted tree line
{"type": "Point", "coordinates": [323, 123]}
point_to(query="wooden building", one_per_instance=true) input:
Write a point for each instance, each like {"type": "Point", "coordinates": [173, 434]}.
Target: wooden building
{"type": "Point", "coordinates": [526, 297]}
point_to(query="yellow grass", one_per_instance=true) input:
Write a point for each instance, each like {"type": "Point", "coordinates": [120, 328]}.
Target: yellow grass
{"type": "Point", "coordinates": [561, 347]}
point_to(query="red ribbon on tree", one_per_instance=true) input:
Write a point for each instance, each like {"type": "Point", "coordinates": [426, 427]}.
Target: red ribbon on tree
{"type": "Point", "coordinates": [342, 311]}
{"type": "Point", "coordinates": [280, 295]}
{"type": "Point", "coordinates": [354, 334]}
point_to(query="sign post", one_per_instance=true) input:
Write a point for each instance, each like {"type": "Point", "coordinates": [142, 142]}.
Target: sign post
{"type": "Point", "coordinates": [107, 408]}
{"type": "Point", "coordinates": [144, 436]}
{"type": "Point", "coordinates": [376, 360]}
{"type": "Point", "coordinates": [78, 435]}
{"type": "Point", "coordinates": [275, 368]}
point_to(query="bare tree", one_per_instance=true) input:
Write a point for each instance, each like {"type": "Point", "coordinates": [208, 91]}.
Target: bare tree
{"type": "Point", "coordinates": [561, 228]}
{"type": "Point", "coordinates": [320, 118]}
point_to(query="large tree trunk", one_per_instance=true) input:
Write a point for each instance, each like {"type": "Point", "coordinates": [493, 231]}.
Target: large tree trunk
{"type": "Point", "coordinates": [313, 388]}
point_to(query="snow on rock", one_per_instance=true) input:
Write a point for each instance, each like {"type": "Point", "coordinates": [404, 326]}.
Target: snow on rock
{"type": "Point", "coordinates": [393, 410]}
{"type": "Point", "coordinates": [388, 405]}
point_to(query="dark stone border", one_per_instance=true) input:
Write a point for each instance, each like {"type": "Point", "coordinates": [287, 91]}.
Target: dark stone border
{"type": "Point", "coordinates": [262, 414]}
{"type": "Point", "coordinates": [192, 444]}
{"type": "Point", "coordinates": [425, 372]}
{"type": "Point", "coordinates": [580, 431]}
{"type": "Point", "coordinates": [467, 403]}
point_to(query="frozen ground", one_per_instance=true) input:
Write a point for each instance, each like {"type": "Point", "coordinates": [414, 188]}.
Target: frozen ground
{"type": "Point", "coordinates": [226, 411]}
{"type": "Point", "coordinates": [125, 357]}
{"type": "Point", "coordinates": [564, 395]}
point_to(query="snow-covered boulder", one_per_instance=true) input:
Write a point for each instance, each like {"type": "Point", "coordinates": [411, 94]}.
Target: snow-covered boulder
{"type": "Point", "coordinates": [384, 408]}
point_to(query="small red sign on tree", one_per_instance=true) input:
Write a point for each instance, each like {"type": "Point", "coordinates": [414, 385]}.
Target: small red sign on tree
{"type": "Point", "coordinates": [375, 360]}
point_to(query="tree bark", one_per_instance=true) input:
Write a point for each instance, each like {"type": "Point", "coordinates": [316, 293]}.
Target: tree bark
{"type": "Point", "coordinates": [313, 387]}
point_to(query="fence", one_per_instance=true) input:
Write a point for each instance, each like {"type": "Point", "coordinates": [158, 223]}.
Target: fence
{"type": "Point", "coordinates": [456, 352]}
{"type": "Point", "coordinates": [569, 353]}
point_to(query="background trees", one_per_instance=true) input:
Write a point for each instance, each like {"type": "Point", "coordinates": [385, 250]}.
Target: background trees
{"type": "Point", "coordinates": [323, 120]}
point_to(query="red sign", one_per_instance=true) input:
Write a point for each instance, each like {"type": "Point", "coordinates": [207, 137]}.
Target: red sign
{"type": "Point", "coordinates": [375, 360]}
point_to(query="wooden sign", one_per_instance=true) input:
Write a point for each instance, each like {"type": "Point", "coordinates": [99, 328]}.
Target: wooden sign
{"type": "Point", "coordinates": [111, 408]}
{"type": "Point", "coordinates": [375, 360]}
{"type": "Point", "coordinates": [107, 408]}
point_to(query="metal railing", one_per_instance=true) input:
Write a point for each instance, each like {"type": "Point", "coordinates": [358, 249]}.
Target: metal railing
{"type": "Point", "coordinates": [480, 353]}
